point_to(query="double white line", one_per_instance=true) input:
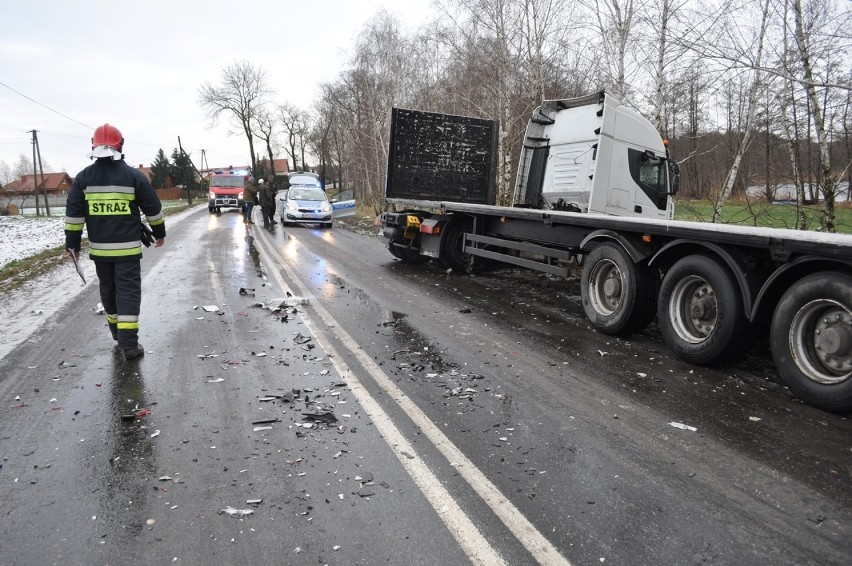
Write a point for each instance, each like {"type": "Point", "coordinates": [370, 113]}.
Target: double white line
{"type": "Point", "coordinates": [471, 540]}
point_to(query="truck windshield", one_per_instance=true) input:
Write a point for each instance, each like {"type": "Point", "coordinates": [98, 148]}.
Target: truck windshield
{"type": "Point", "coordinates": [227, 181]}
{"type": "Point", "coordinates": [649, 172]}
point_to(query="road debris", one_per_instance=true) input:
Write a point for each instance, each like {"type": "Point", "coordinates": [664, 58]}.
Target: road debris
{"type": "Point", "coordinates": [683, 426]}
{"type": "Point", "coordinates": [321, 417]}
{"type": "Point", "coordinates": [210, 308]}
{"type": "Point", "coordinates": [266, 421]}
{"type": "Point", "coordinates": [236, 512]}
{"type": "Point", "coordinates": [246, 291]}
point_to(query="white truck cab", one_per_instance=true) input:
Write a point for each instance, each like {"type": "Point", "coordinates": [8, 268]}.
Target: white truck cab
{"type": "Point", "coordinates": [594, 154]}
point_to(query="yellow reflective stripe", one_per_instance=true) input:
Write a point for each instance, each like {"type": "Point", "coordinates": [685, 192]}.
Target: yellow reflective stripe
{"type": "Point", "coordinates": [110, 196]}
{"type": "Point", "coordinates": [111, 318]}
{"type": "Point", "coordinates": [114, 253]}
{"type": "Point", "coordinates": [74, 227]}
{"type": "Point", "coordinates": [156, 221]}
{"type": "Point", "coordinates": [128, 325]}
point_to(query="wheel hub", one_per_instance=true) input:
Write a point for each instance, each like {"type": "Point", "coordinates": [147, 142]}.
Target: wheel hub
{"type": "Point", "coordinates": [612, 286]}
{"type": "Point", "coordinates": [821, 341]}
{"type": "Point", "coordinates": [703, 308]}
{"type": "Point", "coordinates": [833, 339]}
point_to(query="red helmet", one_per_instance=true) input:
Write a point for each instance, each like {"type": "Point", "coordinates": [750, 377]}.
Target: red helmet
{"type": "Point", "coordinates": [107, 136]}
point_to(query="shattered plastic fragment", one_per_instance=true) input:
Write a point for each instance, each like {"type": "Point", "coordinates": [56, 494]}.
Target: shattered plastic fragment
{"type": "Point", "coordinates": [323, 417]}
{"type": "Point", "coordinates": [754, 419]}
{"type": "Point", "coordinates": [683, 426]}
{"type": "Point", "coordinates": [260, 428]}
{"type": "Point", "coordinates": [238, 512]}
{"type": "Point", "coordinates": [218, 380]}
{"type": "Point", "coordinates": [266, 421]}
{"type": "Point", "coordinates": [210, 308]}
{"type": "Point", "coordinates": [155, 434]}
{"type": "Point", "coordinates": [245, 291]}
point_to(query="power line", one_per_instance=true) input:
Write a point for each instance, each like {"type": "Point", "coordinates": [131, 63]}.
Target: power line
{"type": "Point", "coordinates": [43, 106]}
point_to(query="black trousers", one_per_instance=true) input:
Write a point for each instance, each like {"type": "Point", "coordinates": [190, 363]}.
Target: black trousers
{"type": "Point", "coordinates": [121, 295]}
{"type": "Point", "coordinates": [268, 216]}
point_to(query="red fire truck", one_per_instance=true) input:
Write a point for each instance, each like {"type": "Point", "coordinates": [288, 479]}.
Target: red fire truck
{"type": "Point", "coordinates": [226, 189]}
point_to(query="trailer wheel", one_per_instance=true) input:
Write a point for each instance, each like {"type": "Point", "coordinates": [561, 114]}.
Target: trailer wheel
{"type": "Point", "coordinates": [453, 255]}
{"type": "Point", "coordinates": [618, 295]}
{"type": "Point", "coordinates": [701, 314]}
{"type": "Point", "coordinates": [406, 254]}
{"type": "Point", "coordinates": [811, 340]}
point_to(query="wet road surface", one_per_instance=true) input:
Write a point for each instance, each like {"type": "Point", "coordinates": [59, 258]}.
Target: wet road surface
{"type": "Point", "coordinates": [478, 419]}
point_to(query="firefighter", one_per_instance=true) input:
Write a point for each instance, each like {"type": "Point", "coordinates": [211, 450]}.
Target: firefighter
{"type": "Point", "coordinates": [107, 197]}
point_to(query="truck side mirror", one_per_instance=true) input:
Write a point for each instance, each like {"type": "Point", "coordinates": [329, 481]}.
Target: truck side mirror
{"type": "Point", "coordinates": [674, 173]}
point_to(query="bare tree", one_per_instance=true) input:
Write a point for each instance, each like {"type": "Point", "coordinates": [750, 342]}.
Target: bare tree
{"type": "Point", "coordinates": [264, 128]}
{"type": "Point", "coordinates": [6, 175]}
{"type": "Point", "coordinates": [546, 24]}
{"type": "Point", "coordinates": [294, 120]}
{"type": "Point", "coordinates": [240, 95]}
{"type": "Point", "coordinates": [805, 39]}
{"type": "Point", "coordinates": [747, 126]}
{"type": "Point", "coordinates": [615, 26]}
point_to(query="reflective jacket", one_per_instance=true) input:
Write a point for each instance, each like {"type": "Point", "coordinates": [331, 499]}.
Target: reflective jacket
{"type": "Point", "coordinates": [107, 197]}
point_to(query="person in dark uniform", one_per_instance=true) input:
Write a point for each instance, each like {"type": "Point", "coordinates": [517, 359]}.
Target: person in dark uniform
{"type": "Point", "coordinates": [267, 204]}
{"type": "Point", "coordinates": [106, 198]}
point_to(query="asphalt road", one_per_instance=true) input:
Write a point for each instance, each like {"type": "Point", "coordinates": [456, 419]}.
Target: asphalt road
{"type": "Point", "coordinates": [417, 417]}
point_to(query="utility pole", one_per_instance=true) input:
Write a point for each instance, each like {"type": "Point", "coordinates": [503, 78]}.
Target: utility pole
{"type": "Point", "coordinates": [188, 188]}
{"type": "Point", "coordinates": [41, 171]}
{"type": "Point", "coordinates": [37, 152]}
{"type": "Point", "coordinates": [205, 168]}
{"type": "Point", "coordinates": [35, 184]}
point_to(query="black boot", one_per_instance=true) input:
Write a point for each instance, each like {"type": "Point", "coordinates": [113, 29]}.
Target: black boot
{"type": "Point", "coordinates": [134, 353]}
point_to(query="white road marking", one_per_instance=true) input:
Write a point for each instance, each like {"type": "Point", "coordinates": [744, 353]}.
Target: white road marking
{"type": "Point", "coordinates": [474, 544]}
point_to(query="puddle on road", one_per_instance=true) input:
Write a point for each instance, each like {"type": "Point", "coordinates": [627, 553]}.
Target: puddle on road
{"type": "Point", "coordinates": [122, 482]}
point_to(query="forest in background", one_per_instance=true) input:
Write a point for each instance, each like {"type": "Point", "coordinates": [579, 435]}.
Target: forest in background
{"type": "Point", "coordinates": [750, 93]}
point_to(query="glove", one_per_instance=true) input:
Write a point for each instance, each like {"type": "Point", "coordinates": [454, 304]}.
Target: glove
{"type": "Point", "coordinates": [147, 236]}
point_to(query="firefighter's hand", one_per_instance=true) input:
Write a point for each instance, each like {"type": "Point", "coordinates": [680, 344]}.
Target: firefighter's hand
{"type": "Point", "coordinates": [159, 242]}
{"type": "Point", "coordinates": [72, 254]}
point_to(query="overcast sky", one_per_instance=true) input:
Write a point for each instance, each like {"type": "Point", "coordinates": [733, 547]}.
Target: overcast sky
{"type": "Point", "coordinates": [68, 66]}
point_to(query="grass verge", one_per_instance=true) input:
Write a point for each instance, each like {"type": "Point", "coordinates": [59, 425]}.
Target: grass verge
{"type": "Point", "coordinates": [16, 273]}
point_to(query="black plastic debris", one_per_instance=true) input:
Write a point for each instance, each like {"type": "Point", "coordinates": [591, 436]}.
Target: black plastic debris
{"type": "Point", "coordinates": [320, 417]}
{"type": "Point", "coordinates": [265, 421]}
{"type": "Point", "coordinates": [246, 291]}
{"type": "Point", "coordinates": [301, 339]}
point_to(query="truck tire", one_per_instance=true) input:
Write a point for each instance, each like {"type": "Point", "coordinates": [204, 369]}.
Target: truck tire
{"type": "Point", "coordinates": [452, 254]}
{"type": "Point", "coordinates": [811, 340]}
{"type": "Point", "coordinates": [618, 294]}
{"type": "Point", "coordinates": [406, 254]}
{"type": "Point", "coordinates": [700, 312]}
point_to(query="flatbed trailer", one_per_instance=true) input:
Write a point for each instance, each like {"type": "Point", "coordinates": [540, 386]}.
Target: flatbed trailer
{"type": "Point", "coordinates": [713, 288]}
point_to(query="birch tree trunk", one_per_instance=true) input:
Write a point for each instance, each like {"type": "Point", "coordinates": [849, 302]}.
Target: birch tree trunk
{"type": "Point", "coordinates": [826, 180]}
{"type": "Point", "coordinates": [748, 128]}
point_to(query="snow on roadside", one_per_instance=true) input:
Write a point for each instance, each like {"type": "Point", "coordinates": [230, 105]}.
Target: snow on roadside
{"type": "Point", "coordinates": [25, 236]}
{"type": "Point", "coordinates": [25, 309]}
